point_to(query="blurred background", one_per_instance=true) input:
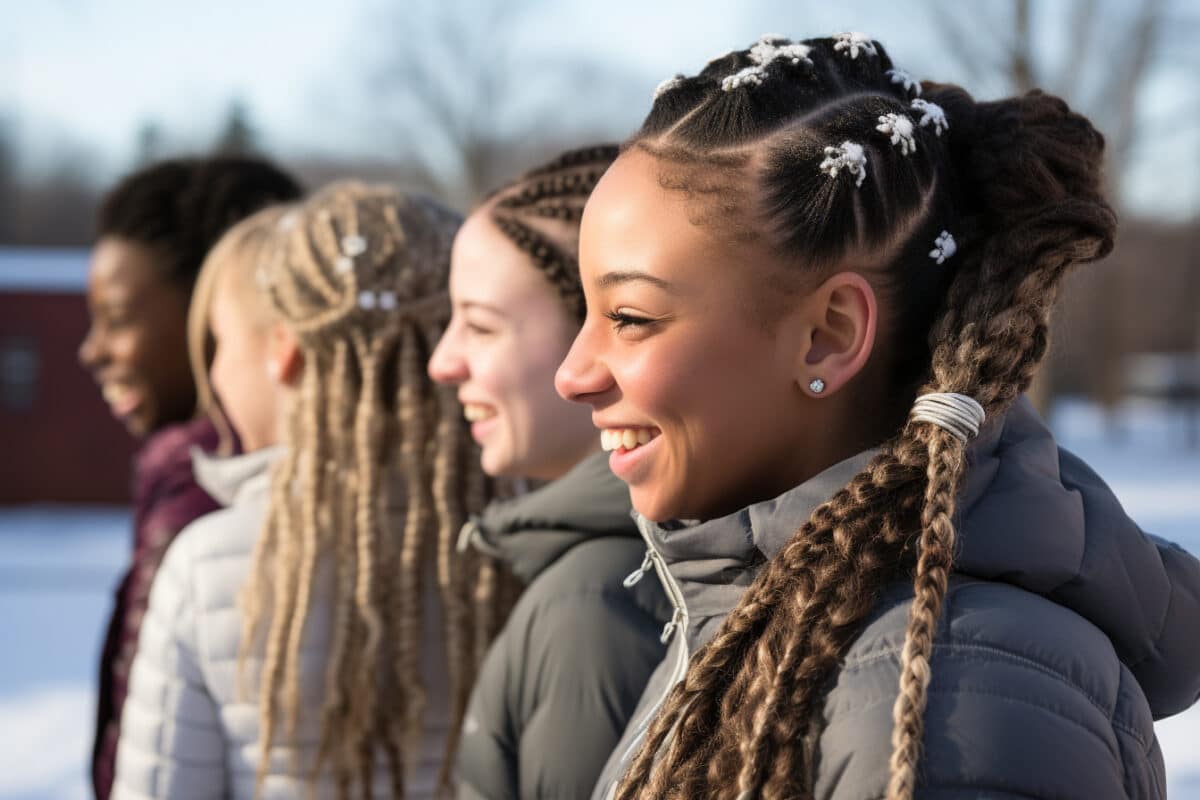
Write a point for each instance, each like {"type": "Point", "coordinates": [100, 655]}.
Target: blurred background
{"type": "Point", "coordinates": [451, 97]}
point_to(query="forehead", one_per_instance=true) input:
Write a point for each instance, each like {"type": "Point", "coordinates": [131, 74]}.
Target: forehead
{"type": "Point", "coordinates": [125, 267]}
{"type": "Point", "coordinates": [486, 267]}
{"type": "Point", "coordinates": [637, 218]}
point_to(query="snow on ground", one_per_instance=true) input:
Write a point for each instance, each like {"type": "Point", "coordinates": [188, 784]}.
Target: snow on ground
{"type": "Point", "coordinates": [58, 567]}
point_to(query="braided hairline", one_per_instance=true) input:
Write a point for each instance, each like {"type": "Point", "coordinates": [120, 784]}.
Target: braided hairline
{"type": "Point", "coordinates": [540, 214]}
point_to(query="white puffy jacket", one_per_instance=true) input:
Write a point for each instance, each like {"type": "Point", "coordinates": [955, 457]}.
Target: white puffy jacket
{"type": "Point", "coordinates": [186, 731]}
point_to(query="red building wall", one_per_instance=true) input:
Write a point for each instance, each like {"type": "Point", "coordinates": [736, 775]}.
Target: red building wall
{"type": "Point", "coordinates": [58, 443]}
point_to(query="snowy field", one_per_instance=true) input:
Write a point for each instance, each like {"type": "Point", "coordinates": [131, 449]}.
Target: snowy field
{"type": "Point", "coordinates": [58, 566]}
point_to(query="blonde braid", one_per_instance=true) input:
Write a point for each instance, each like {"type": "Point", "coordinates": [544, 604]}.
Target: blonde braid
{"type": "Point", "coordinates": [312, 459]}
{"type": "Point", "coordinates": [412, 544]}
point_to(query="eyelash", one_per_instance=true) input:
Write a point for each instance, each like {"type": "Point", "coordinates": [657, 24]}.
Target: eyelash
{"type": "Point", "coordinates": [621, 320]}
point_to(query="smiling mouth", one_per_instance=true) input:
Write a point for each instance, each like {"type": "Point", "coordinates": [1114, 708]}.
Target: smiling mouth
{"type": "Point", "coordinates": [477, 412]}
{"type": "Point", "coordinates": [627, 439]}
{"type": "Point", "coordinates": [121, 400]}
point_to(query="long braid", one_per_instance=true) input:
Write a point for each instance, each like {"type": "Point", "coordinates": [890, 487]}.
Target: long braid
{"type": "Point", "coordinates": [1028, 205]}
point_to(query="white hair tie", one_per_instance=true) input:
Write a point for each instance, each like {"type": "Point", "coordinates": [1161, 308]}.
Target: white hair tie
{"type": "Point", "coordinates": [959, 414]}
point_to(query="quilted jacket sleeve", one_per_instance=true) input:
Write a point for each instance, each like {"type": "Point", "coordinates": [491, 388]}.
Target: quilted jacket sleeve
{"type": "Point", "coordinates": [170, 741]}
{"type": "Point", "coordinates": [1026, 701]}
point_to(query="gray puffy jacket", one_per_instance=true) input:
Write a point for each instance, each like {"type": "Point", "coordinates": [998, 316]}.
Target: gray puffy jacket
{"type": "Point", "coordinates": [1066, 632]}
{"type": "Point", "coordinates": [561, 680]}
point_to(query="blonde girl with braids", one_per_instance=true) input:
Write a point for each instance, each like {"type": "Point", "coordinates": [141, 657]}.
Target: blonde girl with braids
{"type": "Point", "coordinates": [558, 686]}
{"type": "Point", "coordinates": [816, 290]}
{"type": "Point", "coordinates": [319, 636]}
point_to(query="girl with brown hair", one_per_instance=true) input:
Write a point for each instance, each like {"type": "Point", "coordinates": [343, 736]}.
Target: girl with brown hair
{"type": "Point", "coordinates": [558, 686]}
{"type": "Point", "coordinates": [319, 635]}
{"type": "Point", "coordinates": [816, 290]}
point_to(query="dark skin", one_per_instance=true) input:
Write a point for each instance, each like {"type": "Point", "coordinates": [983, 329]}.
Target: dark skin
{"type": "Point", "coordinates": [136, 348]}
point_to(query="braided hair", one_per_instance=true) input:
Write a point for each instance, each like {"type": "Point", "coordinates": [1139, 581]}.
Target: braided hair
{"type": "Point", "coordinates": [830, 155]}
{"type": "Point", "coordinates": [378, 478]}
{"type": "Point", "coordinates": [540, 211]}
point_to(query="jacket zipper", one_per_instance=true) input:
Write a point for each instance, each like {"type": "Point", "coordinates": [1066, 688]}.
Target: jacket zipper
{"type": "Point", "coordinates": [677, 625]}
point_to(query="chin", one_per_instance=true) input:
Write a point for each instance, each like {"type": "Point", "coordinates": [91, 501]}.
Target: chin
{"type": "Point", "coordinates": [653, 507]}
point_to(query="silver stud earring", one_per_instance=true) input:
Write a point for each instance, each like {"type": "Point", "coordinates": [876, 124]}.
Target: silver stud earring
{"type": "Point", "coordinates": [816, 385]}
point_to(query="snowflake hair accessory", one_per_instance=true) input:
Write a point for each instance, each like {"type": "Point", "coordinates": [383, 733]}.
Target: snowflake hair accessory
{"type": "Point", "coordinates": [367, 300]}
{"type": "Point", "coordinates": [747, 76]}
{"type": "Point", "coordinates": [288, 221]}
{"type": "Point", "coordinates": [344, 264]}
{"type": "Point", "coordinates": [849, 156]}
{"type": "Point", "coordinates": [902, 77]}
{"type": "Point", "coordinates": [387, 301]}
{"type": "Point", "coordinates": [765, 52]}
{"type": "Point", "coordinates": [944, 246]}
{"type": "Point", "coordinates": [900, 128]}
{"type": "Point", "coordinates": [354, 245]}
{"type": "Point", "coordinates": [667, 85]}
{"type": "Point", "coordinates": [931, 113]}
{"type": "Point", "coordinates": [853, 43]}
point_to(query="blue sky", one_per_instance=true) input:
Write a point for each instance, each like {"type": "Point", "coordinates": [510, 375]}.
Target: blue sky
{"type": "Point", "coordinates": [80, 76]}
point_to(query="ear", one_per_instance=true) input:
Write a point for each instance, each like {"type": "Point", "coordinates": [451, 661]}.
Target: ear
{"type": "Point", "coordinates": [842, 317]}
{"type": "Point", "coordinates": [285, 362]}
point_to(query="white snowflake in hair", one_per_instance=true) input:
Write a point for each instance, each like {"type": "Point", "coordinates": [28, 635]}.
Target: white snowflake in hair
{"type": "Point", "coordinates": [944, 246]}
{"type": "Point", "coordinates": [667, 85]}
{"type": "Point", "coordinates": [900, 128]}
{"type": "Point", "coordinates": [854, 42]}
{"type": "Point", "coordinates": [354, 245]}
{"type": "Point", "coordinates": [849, 156]}
{"type": "Point", "coordinates": [765, 52]}
{"type": "Point", "coordinates": [344, 264]}
{"type": "Point", "coordinates": [748, 76]}
{"type": "Point", "coordinates": [910, 83]}
{"type": "Point", "coordinates": [931, 113]}
{"type": "Point", "coordinates": [366, 300]}
{"type": "Point", "coordinates": [387, 301]}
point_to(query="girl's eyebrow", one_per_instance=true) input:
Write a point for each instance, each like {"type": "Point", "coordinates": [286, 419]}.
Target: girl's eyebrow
{"type": "Point", "coordinates": [465, 304]}
{"type": "Point", "coordinates": [619, 277]}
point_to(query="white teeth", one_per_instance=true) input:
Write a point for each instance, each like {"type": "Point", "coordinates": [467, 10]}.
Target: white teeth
{"type": "Point", "coordinates": [474, 412]}
{"type": "Point", "coordinates": [113, 393]}
{"type": "Point", "coordinates": [625, 438]}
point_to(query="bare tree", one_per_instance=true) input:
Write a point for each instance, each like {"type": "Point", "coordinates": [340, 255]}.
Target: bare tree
{"type": "Point", "coordinates": [467, 100]}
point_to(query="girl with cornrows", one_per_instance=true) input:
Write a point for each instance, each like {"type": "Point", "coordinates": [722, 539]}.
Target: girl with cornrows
{"type": "Point", "coordinates": [818, 289]}
{"type": "Point", "coordinates": [319, 636]}
{"type": "Point", "coordinates": [562, 679]}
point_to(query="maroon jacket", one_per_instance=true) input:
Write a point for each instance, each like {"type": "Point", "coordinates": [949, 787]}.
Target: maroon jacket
{"type": "Point", "coordinates": [166, 498]}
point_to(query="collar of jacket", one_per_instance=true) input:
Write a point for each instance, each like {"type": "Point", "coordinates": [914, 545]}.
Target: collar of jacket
{"type": "Point", "coordinates": [532, 531]}
{"type": "Point", "coordinates": [1028, 514]}
{"type": "Point", "coordinates": [227, 478]}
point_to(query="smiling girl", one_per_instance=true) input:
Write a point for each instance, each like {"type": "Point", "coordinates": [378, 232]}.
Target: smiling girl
{"type": "Point", "coordinates": [816, 290]}
{"type": "Point", "coordinates": [564, 675]}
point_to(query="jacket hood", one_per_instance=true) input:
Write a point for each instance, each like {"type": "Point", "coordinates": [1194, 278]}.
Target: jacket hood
{"type": "Point", "coordinates": [530, 532]}
{"type": "Point", "coordinates": [226, 478]}
{"type": "Point", "coordinates": [1029, 514]}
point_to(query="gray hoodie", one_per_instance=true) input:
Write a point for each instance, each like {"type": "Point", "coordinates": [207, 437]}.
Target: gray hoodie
{"type": "Point", "coordinates": [1066, 631]}
{"type": "Point", "coordinates": [561, 680]}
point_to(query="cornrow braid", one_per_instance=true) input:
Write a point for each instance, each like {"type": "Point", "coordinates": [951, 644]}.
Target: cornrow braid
{"type": "Point", "coordinates": [378, 477]}
{"type": "Point", "coordinates": [540, 213]}
{"type": "Point", "coordinates": [835, 151]}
